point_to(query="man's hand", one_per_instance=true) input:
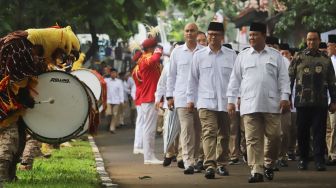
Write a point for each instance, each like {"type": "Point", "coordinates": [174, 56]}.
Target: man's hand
{"type": "Point", "coordinates": [284, 106]}
{"type": "Point", "coordinates": [238, 103]}
{"type": "Point", "coordinates": [170, 103]}
{"type": "Point", "coordinates": [190, 107]}
{"type": "Point", "coordinates": [157, 105]}
{"type": "Point", "coordinates": [332, 108]}
{"type": "Point", "coordinates": [231, 108]}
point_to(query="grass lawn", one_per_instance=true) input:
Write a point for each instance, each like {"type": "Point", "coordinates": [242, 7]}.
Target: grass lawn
{"type": "Point", "coordinates": [68, 167]}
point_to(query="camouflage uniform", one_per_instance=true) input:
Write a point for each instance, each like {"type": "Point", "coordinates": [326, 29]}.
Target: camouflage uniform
{"type": "Point", "coordinates": [32, 150]}
{"type": "Point", "coordinates": [314, 76]}
{"type": "Point", "coordinates": [9, 147]}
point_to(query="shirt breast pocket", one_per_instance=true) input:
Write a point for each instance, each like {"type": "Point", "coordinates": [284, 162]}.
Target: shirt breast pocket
{"type": "Point", "coordinates": [205, 67]}
{"type": "Point", "coordinates": [249, 66]}
{"type": "Point", "coordinates": [226, 69]}
{"type": "Point", "coordinates": [271, 68]}
{"type": "Point", "coordinates": [205, 72]}
{"type": "Point", "coordinates": [182, 67]}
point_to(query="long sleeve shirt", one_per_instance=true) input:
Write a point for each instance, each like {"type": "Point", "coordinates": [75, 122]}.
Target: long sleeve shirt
{"type": "Point", "coordinates": [138, 85]}
{"type": "Point", "coordinates": [149, 67]}
{"type": "Point", "coordinates": [115, 91]}
{"type": "Point", "coordinates": [178, 73]}
{"type": "Point", "coordinates": [161, 86]}
{"type": "Point", "coordinates": [261, 79]}
{"type": "Point", "coordinates": [209, 78]}
{"type": "Point", "coordinates": [313, 73]}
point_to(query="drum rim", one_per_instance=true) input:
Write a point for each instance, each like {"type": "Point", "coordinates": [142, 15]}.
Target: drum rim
{"type": "Point", "coordinates": [65, 138]}
{"type": "Point", "coordinates": [88, 118]}
{"type": "Point", "coordinates": [101, 92]}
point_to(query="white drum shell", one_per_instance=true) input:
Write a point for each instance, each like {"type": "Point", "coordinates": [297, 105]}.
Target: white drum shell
{"type": "Point", "coordinates": [90, 80]}
{"type": "Point", "coordinates": [58, 121]}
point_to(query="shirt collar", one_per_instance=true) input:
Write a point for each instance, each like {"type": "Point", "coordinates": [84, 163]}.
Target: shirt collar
{"type": "Point", "coordinates": [208, 49]}
{"type": "Point", "coordinates": [185, 47]}
{"type": "Point", "coordinates": [265, 50]}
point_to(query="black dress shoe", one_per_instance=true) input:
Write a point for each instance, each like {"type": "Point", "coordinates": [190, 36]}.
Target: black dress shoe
{"type": "Point", "coordinates": [222, 171]}
{"type": "Point", "coordinates": [331, 162]}
{"type": "Point", "coordinates": [291, 157]}
{"type": "Point", "coordinates": [269, 173]}
{"type": "Point", "coordinates": [256, 177]}
{"type": "Point", "coordinates": [189, 170]}
{"type": "Point", "coordinates": [320, 167]}
{"type": "Point", "coordinates": [302, 165]}
{"type": "Point", "coordinates": [180, 164]}
{"type": "Point", "coordinates": [210, 173]}
{"type": "Point", "coordinates": [276, 168]}
{"type": "Point", "coordinates": [167, 161]}
{"type": "Point", "coordinates": [199, 166]}
{"type": "Point", "coordinates": [283, 163]}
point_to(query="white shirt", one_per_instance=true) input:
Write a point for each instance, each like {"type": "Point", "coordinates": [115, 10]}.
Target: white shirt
{"type": "Point", "coordinates": [261, 78]}
{"type": "Point", "coordinates": [115, 91]}
{"type": "Point", "coordinates": [161, 86]}
{"type": "Point", "coordinates": [286, 61]}
{"type": "Point", "coordinates": [131, 84]}
{"type": "Point", "coordinates": [209, 78]}
{"type": "Point", "coordinates": [127, 89]}
{"type": "Point", "coordinates": [333, 60]}
{"type": "Point", "coordinates": [179, 68]}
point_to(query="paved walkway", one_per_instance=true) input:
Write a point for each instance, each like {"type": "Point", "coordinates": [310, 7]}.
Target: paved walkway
{"type": "Point", "coordinates": [125, 168]}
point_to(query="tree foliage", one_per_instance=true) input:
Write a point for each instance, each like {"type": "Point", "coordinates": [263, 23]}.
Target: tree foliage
{"type": "Point", "coordinates": [118, 18]}
{"type": "Point", "coordinates": [305, 15]}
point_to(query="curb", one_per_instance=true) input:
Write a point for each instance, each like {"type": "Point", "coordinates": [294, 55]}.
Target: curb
{"type": "Point", "coordinates": [104, 176]}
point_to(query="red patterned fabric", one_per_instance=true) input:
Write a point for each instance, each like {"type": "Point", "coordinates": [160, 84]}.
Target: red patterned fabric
{"type": "Point", "coordinates": [17, 63]}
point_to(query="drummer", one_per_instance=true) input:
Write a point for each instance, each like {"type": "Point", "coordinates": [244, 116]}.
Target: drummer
{"type": "Point", "coordinates": [38, 50]}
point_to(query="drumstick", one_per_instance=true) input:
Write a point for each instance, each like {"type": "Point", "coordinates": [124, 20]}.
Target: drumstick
{"type": "Point", "coordinates": [51, 101]}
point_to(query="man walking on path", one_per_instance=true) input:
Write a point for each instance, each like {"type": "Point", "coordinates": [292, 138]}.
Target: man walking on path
{"type": "Point", "coordinates": [261, 79]}
{"type": "Point", "coordinates": [207, 84]}
{"type": "Point", "coordinates": [179, 68]}
{"type": "Point", "coordinates": [313, 74]}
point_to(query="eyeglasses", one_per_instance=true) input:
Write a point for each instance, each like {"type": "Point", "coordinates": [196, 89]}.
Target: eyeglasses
{"type": "Point", "coordinates": [215, 34]}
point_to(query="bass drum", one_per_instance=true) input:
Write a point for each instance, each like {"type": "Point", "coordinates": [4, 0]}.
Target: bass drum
{"type": "Point", "coordinates": [61, 108]}
{"type": "Point", "coordinates": [95, 82]}
{"type": "Point", "coordinates": [91, 121]}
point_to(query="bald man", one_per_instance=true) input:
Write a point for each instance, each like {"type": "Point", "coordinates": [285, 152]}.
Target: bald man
{"type": "Point", "coordinates": [180, 63]}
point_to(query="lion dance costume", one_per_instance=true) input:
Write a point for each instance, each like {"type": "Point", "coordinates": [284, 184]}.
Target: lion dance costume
{"type": "Point", "coordinates": [23, 56]}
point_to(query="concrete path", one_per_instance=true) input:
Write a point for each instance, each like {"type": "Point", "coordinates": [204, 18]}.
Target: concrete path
{"type": "Point", "coordinates": [125, 168]}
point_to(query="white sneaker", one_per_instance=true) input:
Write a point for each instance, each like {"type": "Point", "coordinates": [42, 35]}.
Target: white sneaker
{"type": "Point", "coordinates": [153, 162]}
{"type": "Point", "coordinates": [137, 151]}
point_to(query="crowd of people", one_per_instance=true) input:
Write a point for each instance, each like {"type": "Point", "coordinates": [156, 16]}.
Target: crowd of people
{"type": "Point", "coordinates": [259, 105]}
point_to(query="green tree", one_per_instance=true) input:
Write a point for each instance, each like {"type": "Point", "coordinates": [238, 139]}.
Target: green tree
{"type": "Point", "coordinates": [304, 15]}
{"type": "Point", "coordinates": [118, 18]}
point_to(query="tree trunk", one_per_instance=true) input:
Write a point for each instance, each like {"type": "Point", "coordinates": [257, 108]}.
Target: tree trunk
{"type": "Point", "coordinates": [94, 45]}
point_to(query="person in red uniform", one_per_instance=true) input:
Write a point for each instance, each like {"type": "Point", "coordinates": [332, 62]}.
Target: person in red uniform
{"type": "Point", "coordinates": [149, 67]}
{"type": "Point", "coordinates": [138, 139]}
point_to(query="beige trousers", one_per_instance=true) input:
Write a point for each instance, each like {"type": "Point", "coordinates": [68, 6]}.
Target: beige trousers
{"type": "Point", "coordinates": [189, 136]}
{"type": "Point", "coordinates": [115, 116]}
{"type": "Point", "coordinates": [216, 133]}
{"type": "Point", "coordinates": [331, 136]}
{"type": "Point", "coordinates": [258, 126]}
{"type": "Point", "coordinates": [234, 137]}
{"type": "Point", "coordinates": [286, 124]}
